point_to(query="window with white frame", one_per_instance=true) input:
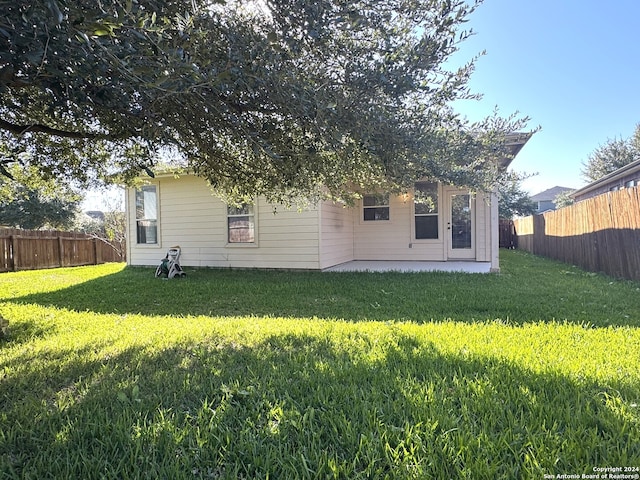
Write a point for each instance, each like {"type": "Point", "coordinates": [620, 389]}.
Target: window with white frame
{"type": "Point", "coordinates": [375, 207]}
{"type": "Point", "coordinates": [425, 201]}
{"type": "Point", "coordinates": [147, 215]}
{"type": "Point", "coordinates": [241, 223]}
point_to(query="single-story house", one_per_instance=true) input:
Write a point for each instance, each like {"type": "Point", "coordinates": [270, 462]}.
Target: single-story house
{"type": "Point", "coordinates": [625, 177]}
{"type": "Point", "coordinates": [432, 222]}
{"type": "Point", "coordinates": [545, 201]}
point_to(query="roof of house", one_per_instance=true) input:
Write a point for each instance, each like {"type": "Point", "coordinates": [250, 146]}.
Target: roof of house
{"type": "Point", "coordinates": [514, 143]}
{"type": "Point", "coordinates": [550, 194]}
{"type": "Point", "coordinates": [95, 214]}
{"type": "Point", "coordinates": [613, 176]}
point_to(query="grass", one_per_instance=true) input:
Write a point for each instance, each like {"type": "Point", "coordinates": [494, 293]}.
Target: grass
{"type": "Point", "coordinates": [110, 373]}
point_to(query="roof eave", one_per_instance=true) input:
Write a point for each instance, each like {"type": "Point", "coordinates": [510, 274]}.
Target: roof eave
{"type": "Point", "coordinates": [621, 172]}
{"type": "Point", "coordinates": [514, 143]}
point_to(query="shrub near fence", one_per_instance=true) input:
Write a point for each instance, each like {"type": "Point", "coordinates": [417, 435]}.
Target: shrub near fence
{"type": "Point", "coordinates": [34, 249]}
{"type": "Point", "coordinates": [600, 234]}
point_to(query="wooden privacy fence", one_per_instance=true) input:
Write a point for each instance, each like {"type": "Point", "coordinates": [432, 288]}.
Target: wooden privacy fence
{"type": "Point", "coordinates": [507, 234]}
{"type": "Point", "coordinates": [33, 249]}
{"type": "Point", "coordinates": [600, 234]}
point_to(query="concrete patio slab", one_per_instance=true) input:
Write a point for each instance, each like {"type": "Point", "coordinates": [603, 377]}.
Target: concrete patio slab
{"type": "Point", "coordinates": [410, 266]}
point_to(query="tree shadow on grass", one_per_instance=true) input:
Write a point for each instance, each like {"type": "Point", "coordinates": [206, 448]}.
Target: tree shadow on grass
{"type": "Point", "coordinates": [416, 297]}
{"type": "Point", "coordinates": [304, 406]}
{"type": "Point", "coordinates": [24, 331]}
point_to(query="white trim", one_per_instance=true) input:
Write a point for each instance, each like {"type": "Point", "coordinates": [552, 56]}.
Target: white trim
{"type": "Point", "coordinates": [158, 241]}
{"type": "Point", "coordinates": [127, 210]}
{"type": "Point", "coordinates": [255, 242]}
{"type": "Point", "coordinates": [461, 253]}
{"type": "Point", "coordinates": [438, 215]}
{"type": "Point", "coordinates": [495, 233]}
{"type": "Point", "coordinates": [387, 206]}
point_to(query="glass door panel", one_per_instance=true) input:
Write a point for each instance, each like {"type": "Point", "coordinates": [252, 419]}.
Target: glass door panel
{"type": "Point", "coordinates": [460, 226]}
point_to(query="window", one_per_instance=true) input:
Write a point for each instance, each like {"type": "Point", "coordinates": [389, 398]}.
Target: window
{"type": "Point", "coordinates": [631, 183]}
{"type": "Point", "coordinates": [147, 215]}
{"type": "Point", "coordinates": [241, 223]}
{"type": "Point", "coordinates": [376, 207]}
{"type": "Point", "coordinates": [425, 202]}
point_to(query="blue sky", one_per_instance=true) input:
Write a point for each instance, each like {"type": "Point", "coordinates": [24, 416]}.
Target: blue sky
{"type": "Point", "coordinates": [572, 66]}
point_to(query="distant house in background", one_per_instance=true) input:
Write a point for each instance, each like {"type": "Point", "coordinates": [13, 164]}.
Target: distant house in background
{"type": "Point", "coordinates": [546, 200]}
{"type": "Point", "coordinates": [95, 215]}
{"type": "Point", "coordinates": [625, 177]}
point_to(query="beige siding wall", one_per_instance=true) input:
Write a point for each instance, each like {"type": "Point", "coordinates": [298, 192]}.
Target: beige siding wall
{"type": "Point", "coordinates": [393, 239]}
{"type": "Point", "coordinates": [316, 238]}
{"type": "Point", "coordinates": [190, 216]}
{"type": "Point", "coordinates": [336, 234]}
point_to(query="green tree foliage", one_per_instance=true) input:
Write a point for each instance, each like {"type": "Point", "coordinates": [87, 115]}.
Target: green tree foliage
{"type": "Point", "coordinates": [564, 199]}
{"type": "Point", "coordinates": [111, 225]}
{"type": "Point", "coordinates": [514, 200]}
{"type": "Point", "coordinates": [635, 138]}
{"type": "Point", "coordinates": [284, 98]}
{"type": "Point", "coordinates": [612, 155]}
{"type": "Point", "coordinates": [30, 202]}
{"type": "Point", "coordinates": [111, 228]}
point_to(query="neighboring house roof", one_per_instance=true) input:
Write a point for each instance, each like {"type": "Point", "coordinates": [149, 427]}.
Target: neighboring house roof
{"type": "Point", "coordinates": [550, 194]}
{"type": "Point", "coordinates": [95, 214]}
{"type": "Point", "coordinates": [628, 169]}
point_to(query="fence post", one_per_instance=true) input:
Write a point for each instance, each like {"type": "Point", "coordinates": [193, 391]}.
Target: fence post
{"type": "Point", "coordinates": [61, 251]}
{"type": "Point", "coordinates": [95, 251]}
{"type": "Point", "coordinates": [12, 257]}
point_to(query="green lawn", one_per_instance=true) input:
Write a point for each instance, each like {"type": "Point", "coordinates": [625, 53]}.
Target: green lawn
{"type": "Point", "coordinates": [108, 372]}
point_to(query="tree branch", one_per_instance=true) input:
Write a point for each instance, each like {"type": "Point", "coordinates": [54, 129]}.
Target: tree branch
{"type": "Point", "coordinates": [37, 128]}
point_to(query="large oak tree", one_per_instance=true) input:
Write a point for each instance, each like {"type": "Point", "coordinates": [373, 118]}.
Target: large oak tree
{"type": "Point", "coordinates": [285, 98]}
{"type": "Point", "coordinates": [31, 202]}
